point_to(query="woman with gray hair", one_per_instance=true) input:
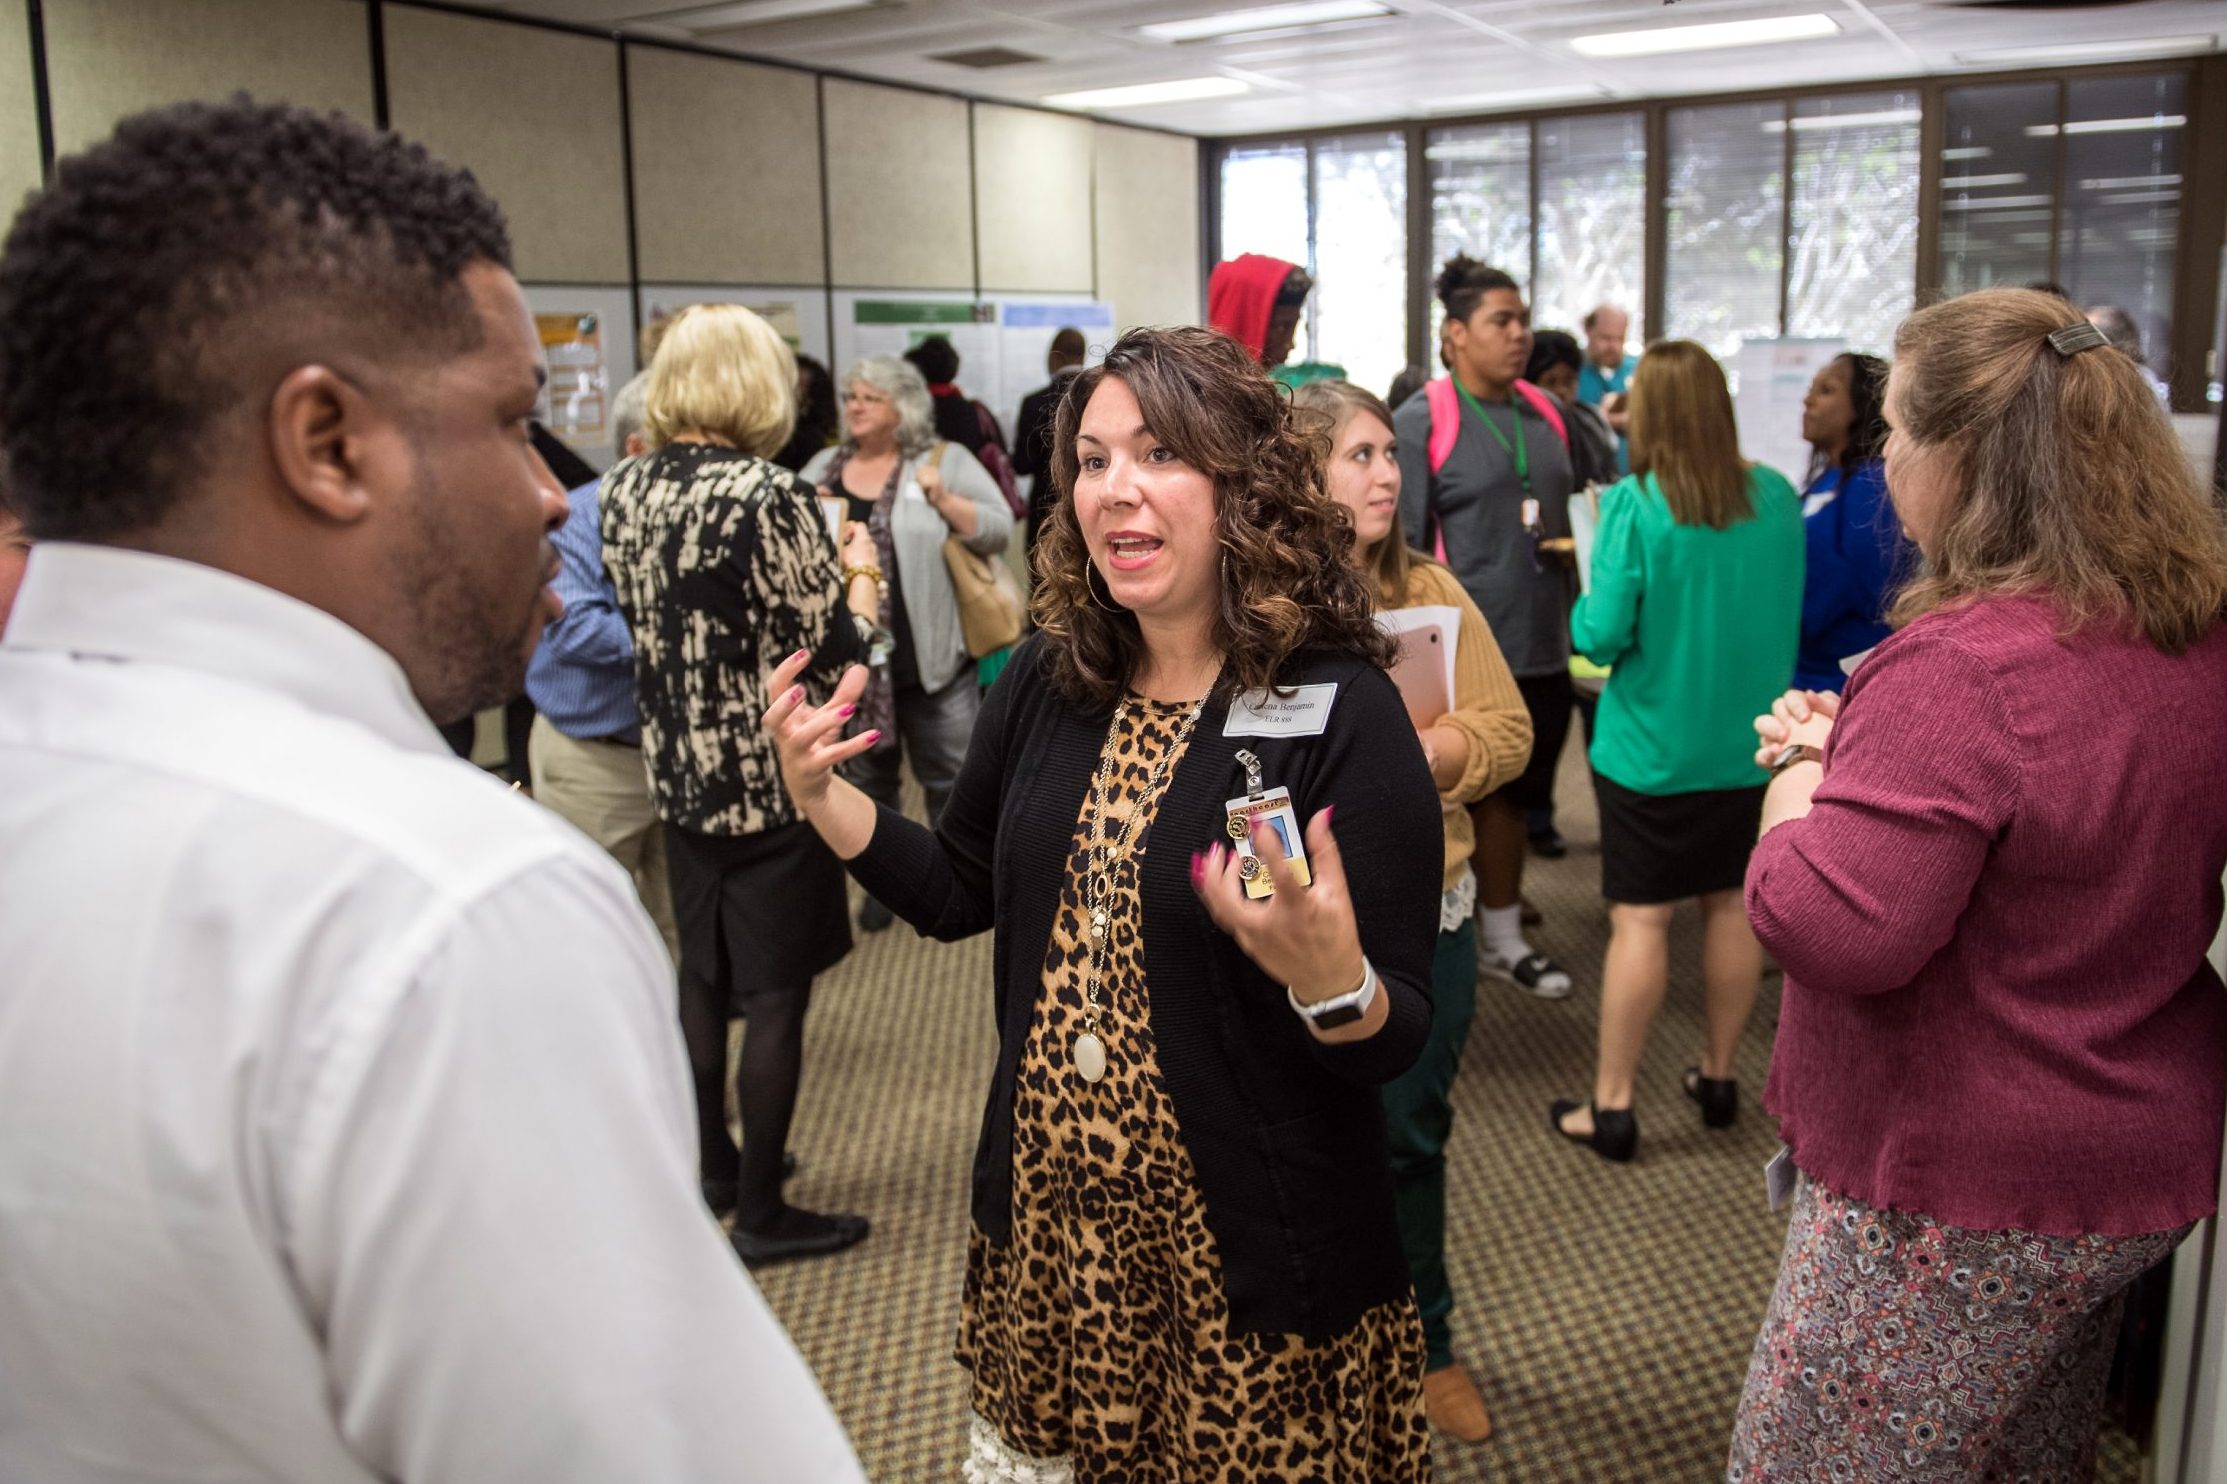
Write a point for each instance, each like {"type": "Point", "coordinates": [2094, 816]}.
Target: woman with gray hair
{"type": "Point", "coordinates": [913, 491]}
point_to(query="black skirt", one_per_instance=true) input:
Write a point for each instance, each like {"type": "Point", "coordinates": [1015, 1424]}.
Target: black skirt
{"type": "Point", "coordinates": [1659, 848]}
{"type": "Point", "coordinates": [757, 912]}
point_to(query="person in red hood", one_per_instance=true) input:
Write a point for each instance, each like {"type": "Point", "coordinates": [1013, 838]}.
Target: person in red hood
{"type": "Point", "coordinates": [1256, 300]}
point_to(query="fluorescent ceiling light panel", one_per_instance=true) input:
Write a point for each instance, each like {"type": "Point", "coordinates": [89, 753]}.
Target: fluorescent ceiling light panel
{"type": "Point", "coordinates": [1265, 18]}
{"type": "Point", "coordinates": [1656, 42]}
{"type": "Point", "coordinates": [1145, 94]}
{"type": "Point", "coordinates": [1810, 123]}
{"type": "Point", "coordinates": [2111, 126]}
{"type": "Point", "coordinates": [2139, 198]}
{"type": "Point", "coordinates": [1993, 203]}
{"type": "Point", "coordinates": [754, 12]}
{"type": "Point", "coordinates": [1967, 152]}
{"type": "Point", "coordinates": [2092, 51]}
{"type": "Point", "coordinates": [1982, 182]}
{"type": "Point", "coordinates": [1518, 98]}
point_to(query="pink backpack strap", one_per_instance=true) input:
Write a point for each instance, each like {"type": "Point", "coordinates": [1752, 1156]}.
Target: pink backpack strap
{"type": "Point", "coordinates": [1445, 420]}
{"type": "Point", "coordinates": [1544, 406]}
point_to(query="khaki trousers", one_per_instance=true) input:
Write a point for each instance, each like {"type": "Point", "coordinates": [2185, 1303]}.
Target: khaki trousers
{"type": "Point", "coordinates": [603, 790]}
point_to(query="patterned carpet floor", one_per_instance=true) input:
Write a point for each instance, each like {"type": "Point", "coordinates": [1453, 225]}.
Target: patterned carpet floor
{"type": "Point", "coordinates": [1607, 1311]}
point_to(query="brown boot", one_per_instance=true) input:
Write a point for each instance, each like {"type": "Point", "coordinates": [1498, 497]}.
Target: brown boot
{"type": "Point", "coordinates": [1451, 1402]}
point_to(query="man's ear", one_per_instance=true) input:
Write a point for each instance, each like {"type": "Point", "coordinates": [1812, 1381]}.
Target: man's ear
{"type": "Point", "coordinates": [319, 432]}
{"type": "Point", "coordinates": [635, 446]}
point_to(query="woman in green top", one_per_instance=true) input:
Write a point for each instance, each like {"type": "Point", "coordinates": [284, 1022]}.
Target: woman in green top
{"type": "Point", "coordinates": [1696, 600]}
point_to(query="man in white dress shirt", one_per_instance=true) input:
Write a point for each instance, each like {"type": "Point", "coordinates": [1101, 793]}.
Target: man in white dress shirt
{"type": "Point", "coordinates": [345, 1129]}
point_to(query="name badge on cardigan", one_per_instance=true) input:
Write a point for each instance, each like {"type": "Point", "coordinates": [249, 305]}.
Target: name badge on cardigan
{"type": "Point", "coordinates": [1304, 711]}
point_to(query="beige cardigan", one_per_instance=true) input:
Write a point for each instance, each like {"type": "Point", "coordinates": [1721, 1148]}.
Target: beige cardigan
{"type": "Point", "coordinates": [1488, 709]}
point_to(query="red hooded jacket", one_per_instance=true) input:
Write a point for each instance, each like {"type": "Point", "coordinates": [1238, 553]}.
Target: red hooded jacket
{"type": "Point", "coordinates": [1241, 295]}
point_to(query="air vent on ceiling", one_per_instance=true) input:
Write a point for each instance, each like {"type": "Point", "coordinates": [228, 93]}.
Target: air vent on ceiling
{"type": "Point", "coordinates": [984, 57]}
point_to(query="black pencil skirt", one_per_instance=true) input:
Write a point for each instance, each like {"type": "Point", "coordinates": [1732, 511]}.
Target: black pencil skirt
{"type": "Point", "coordinates": [1668, 847]}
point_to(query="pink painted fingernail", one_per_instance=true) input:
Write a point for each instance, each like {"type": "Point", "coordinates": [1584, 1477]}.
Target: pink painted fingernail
{"type": "Point", "coordinates": [873, 736]}
{"type": "Point", "coordinates": [1327, 811]}
{"type": "Point", "coordinates": [796, 692]}
{"type": "Point", "coordinates": [800, 654]}
{"type": "Point", "coordinates": [848, 711]}
{"type": "Point", "coordinates": [1198, 868]}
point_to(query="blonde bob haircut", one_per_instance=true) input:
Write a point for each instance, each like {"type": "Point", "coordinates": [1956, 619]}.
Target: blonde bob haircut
{"type": "Point", "coordinates": [900, 381]}
{"type": "Point", "coordinates": [1684, 434]}
{"type": "Point", "coordinates": [722, 371]}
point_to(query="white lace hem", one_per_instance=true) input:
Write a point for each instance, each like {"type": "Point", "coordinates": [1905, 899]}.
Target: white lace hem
{"type": "Point", "coordinates": [990, 1461]}
{"type": "Point", "coordinates": [1459, 904]}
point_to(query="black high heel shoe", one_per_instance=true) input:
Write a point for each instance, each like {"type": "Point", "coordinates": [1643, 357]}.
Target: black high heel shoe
{"type": "Point", "coordinates": [1615, 1133]}
{"type": "Point", "coordinates": [1719, 1097]}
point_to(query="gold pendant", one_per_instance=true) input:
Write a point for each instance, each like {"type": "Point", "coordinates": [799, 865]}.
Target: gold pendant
{"type": "Point", "coordinates": [1090, 1056]}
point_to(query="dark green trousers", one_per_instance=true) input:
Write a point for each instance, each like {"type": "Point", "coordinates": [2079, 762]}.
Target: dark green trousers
{"type": "Point", "coordinates": [1419, 1115]}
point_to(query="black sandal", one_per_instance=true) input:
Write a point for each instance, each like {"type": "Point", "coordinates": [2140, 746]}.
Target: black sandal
{"type": "Point", "coordinates": [1615, 1133]}
{"type": "Point", "coordinates": [1719, 1097]}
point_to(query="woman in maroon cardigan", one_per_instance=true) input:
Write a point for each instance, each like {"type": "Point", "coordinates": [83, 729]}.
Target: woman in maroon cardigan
{"type": "Point", "coordinates": [1991, 873]}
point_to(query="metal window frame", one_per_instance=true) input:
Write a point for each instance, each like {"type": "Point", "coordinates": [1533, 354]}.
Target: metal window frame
{"type": "Point", "coordinates": [2203, 218]}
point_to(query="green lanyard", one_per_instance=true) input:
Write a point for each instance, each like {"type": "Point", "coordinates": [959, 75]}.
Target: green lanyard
{"type": "Point", "coordinates": [1518, 450]}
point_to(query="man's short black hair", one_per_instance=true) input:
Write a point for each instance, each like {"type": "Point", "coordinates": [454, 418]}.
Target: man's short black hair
{"type": "Point", "coordinates": [1463, 283]}
{"type": "Point", "coordinates": [936, 359]}
{"type": "Point", "coordinates": [138, 289]}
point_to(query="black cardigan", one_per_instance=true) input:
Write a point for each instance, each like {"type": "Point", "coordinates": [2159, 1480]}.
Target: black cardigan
{"type": "Point", "coordinates": [1287, 1133]}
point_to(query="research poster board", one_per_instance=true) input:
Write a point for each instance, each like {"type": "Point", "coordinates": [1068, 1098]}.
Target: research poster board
{"type": "Point", "coordinates": [798, 315]}
{"type": "Point", "coordinates": [1001, 338]}
{"type": "Point", "coordinates": [587, 341]}
{"type": "Point", "coordinates": [875, 322]}
{"type": "Point", "coordinates": [1026, 325]}
{"type": "Point", "coordinates": [1774, 376]}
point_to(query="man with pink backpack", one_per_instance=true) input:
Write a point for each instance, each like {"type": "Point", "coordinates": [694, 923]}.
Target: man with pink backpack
{"type": "Point", "coordinates": [1485, 480]}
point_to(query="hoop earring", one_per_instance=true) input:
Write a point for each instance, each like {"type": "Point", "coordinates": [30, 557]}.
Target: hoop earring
{"type": "Point", "coordinates": [1091, 579]}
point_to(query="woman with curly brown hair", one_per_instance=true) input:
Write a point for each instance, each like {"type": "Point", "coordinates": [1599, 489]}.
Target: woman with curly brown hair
{"type": "Point", "coordinates": [1185, 1261]}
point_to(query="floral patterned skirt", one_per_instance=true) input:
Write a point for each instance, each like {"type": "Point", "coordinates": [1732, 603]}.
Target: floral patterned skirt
{"type": "Point", "coordinates": [1898, 1348]}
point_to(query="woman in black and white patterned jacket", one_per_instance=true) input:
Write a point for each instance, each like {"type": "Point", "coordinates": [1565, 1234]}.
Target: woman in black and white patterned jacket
{"type": "Point", "coordinates": [723, 566]}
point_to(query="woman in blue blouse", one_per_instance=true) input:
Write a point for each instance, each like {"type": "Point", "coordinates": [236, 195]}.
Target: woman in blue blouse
{"type": "Point", "coordinates": [1856, 550]}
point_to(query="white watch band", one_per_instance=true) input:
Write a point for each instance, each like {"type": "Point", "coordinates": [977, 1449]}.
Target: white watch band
{"type": "Point", "coordinates": [1358, 999]}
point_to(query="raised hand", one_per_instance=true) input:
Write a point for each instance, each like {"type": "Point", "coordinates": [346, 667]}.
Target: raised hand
{"type": "Point", "coordinates": [1303, 936]}
{"type": "Point", "coordinates": [810, 738]}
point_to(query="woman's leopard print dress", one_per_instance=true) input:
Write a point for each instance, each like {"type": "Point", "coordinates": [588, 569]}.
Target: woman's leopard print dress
{"type": "Point", "coordinates": [1099, 1337]}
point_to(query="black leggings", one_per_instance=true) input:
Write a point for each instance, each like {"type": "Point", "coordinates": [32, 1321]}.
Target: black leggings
{"type": "Point", "coordinates": [766, 1080]}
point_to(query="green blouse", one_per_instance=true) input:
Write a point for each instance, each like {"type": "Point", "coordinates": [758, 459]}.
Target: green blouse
{"type": "Point", "coordinates": [1700, 626]}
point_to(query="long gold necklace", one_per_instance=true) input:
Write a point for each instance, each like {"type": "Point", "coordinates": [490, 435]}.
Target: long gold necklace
{"type": "Point", "coordinates": [1089, 1051]}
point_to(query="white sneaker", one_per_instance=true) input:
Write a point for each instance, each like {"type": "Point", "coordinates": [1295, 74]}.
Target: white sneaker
{"type": "Point", "coordinates": [1534, 974]}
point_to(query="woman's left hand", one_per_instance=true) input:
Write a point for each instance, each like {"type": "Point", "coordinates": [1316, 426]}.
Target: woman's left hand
{"type": "Point", "coordinates": [1798, 716]}
{"type": "Point", "coordinates": [1302, 936]}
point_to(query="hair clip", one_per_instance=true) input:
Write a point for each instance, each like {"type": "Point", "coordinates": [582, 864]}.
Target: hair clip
{"type": "Point", "coordinates": [2073, 339]}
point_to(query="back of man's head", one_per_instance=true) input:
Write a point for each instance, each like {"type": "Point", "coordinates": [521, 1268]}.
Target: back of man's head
{"type": "Point", "coordinates": [937, 359]}
{"type": "Point", "coordinates": [1068, 349]}
{"type": "Point", "coordinates": [170, 275]}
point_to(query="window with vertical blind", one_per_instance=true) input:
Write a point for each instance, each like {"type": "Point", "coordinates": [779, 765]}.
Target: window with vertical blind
{"type": "Point", "coordinates": [1592, 212]}
{"type": "Point", "coordinates": [1360, 304]}
{"type": "Point", "coordinates": [1481, 196]}
{"type": "Point", "coordinates": [2119, 225]}
{"type": "Point", "coordinates": [2075, 182]}
{"type": "Point", "coordinates": [1561, 205]}
{"type": "Point", "coordinates": [1338, 208]}
{"type": "Point", "coordinates": [1852, 241]}
{"type": "Point", "coordinates": [1801, 215]}
{"type": "Point", "coordinates": [1724, 255]}
{"type": "Point", "coordinates": [1998, 185]}
{"type": "Point", "coordinates": [1264, 202]}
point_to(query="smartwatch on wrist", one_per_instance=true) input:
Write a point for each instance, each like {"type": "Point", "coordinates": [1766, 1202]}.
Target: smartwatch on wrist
{"type": "Point", "coordinates": [1792, 753]}
{"type": "Point", "coordinates": [1343, 1009]}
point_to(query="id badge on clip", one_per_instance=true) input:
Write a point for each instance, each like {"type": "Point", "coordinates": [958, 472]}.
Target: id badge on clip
{"type": "Point", "coordinates": [1272, 807]}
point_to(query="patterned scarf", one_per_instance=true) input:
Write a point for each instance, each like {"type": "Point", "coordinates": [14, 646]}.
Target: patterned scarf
{"type": "Point", "coordinates": [877, 709]}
